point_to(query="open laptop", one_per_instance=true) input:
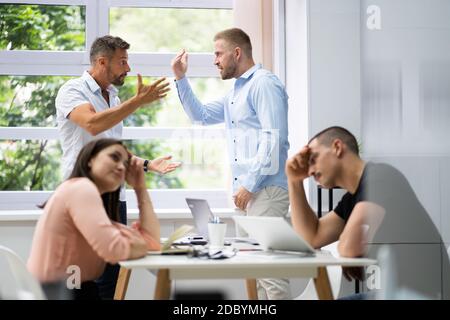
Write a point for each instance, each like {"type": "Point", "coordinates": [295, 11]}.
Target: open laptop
{"type": "Point", "coordinates": [274, 233]}
{"type": "Point", "coordinates": [202, 214]}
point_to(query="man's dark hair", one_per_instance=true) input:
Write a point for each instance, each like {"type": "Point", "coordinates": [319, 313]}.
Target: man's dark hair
{"type": "Point", "coordinates": [106, 45]}
{"type": "Point", "coordinates": [328, 135]}
{"type": "Point", "coordinates": [237, 38]}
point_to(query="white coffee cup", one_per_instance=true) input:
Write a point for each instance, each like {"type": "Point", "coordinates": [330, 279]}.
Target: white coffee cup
{"type": "Point", "coordinates": [216, 233]}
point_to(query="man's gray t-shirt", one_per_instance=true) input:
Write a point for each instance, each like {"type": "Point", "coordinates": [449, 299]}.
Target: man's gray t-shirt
{"type": "Point", "coordinates": [414, 240]}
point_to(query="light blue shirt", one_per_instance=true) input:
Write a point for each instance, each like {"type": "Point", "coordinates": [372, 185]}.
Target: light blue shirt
{"type": "Point", "coordinates": [255, 115]}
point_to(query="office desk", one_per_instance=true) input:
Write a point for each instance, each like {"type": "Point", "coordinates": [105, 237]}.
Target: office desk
{"type": "Point", "coordinates": [245, 265]}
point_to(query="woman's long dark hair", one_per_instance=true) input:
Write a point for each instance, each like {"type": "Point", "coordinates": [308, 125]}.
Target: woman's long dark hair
{"type": "Point", "coordinates": [82, 169]}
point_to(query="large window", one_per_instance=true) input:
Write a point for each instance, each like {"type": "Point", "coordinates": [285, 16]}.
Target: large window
{"type": "Point", "coordinates": [45, 43]}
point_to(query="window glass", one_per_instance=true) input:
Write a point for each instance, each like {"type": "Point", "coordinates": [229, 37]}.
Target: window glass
{"type": "Point", "coordinates": [204, 161]}
{"type": "Point", "coordinates": [169, 29]}
{"type": "Point", "coordinates": [168, 112]}
{"type": "Point", "coordinates": [42, 27]}
{"type": "Point", "coordinates": [29, 101]}
{"type": "Point", "coordinates": [35, 164]}
{"type": "Point", "coordinates": [29, 165]}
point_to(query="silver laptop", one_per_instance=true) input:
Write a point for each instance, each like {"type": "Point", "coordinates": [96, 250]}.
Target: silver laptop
{"type": "Point", "coordinates": [202, 214]}
{"type": "Point", "coordinates": [274, 233]}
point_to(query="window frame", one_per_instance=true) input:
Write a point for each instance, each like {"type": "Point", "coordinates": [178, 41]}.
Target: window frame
{"type": "Point", "coordinates": [73, 63]}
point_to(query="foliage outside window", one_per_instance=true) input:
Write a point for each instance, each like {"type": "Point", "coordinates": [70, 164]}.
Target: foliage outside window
{"type": "Point", "coordinates": [42, 27]}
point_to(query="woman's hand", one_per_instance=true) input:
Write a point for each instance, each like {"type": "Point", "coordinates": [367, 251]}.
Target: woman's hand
{"type": "Point", "coordinates": [135, 176]}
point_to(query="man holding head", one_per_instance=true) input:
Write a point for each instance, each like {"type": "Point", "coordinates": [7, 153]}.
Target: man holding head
{"type": "Point", "coordinates": [88, 108]}
{"type": "Point", "coordinates": [379, 208]}
{"type": "Point", "coordinates": [255, 116]}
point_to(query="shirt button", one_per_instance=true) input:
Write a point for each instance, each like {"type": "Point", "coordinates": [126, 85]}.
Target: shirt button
{"type": "Point", "coordinates": [234, 141]}
{"type": "Point", "coordinates": [235, 159]}
{"type": "Point", "coordinates": [232, 121]}
{"type": "Point", "coordinates": [235, 179]}
{"type": "Point", "coordinates": [232, 102]}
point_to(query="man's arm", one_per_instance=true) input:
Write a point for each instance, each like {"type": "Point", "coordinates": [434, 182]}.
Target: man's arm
{"type": "Point", "coordinates": [318, 232]}
{"type": "Point", "coordinates": [207, 114]}
{"type": "Point", "coordinates": [360, 229]}
{"type": "Point", "coordinates": [96, 122]}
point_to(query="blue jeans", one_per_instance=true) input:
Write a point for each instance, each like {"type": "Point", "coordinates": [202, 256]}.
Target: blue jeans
{"type": "Point", "coordinates": [107, 282]}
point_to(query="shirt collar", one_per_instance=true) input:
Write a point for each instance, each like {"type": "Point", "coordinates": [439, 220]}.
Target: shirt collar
{"type": "Point", "coordinates": [247, 74]}
{"type": "Point", "coordinates": [93, 85]}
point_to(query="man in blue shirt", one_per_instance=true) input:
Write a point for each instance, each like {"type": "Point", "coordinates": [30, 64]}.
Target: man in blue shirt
{"type": "Point", "coordinates": [255, 115]}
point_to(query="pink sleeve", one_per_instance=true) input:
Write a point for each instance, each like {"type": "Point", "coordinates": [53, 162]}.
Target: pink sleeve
{"type": "Point", "coordinates": [89, 216]}
{"type": "Point", "coordinates": [152, 243]}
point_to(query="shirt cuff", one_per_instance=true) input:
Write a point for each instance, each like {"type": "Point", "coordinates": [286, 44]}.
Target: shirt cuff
{"type": "Point", "coordinates": [183, 82]}
{"type": "Point", "coordinates": [250, 186]}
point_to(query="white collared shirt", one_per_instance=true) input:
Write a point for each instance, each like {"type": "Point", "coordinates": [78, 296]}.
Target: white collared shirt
{"type": "Point", "coordinates": [72, 94]}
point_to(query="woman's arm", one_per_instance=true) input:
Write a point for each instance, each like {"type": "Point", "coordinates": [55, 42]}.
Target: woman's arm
{"type": "Point", "coordinates": [148, 222]}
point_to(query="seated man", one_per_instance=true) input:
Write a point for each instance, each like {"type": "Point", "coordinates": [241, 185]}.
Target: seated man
{"type": "Point", "coordinates": [379, 208]}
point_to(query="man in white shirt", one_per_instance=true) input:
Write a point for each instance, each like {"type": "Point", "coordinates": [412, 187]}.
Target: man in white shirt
{"type": "Point", "coordinates": [88, 108]}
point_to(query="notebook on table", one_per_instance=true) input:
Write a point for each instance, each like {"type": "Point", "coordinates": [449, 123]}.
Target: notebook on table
{"type": "Point", "coordinates": [168, 246]}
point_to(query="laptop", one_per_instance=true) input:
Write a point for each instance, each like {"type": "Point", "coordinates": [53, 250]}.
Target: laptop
{"type": "Point", "coordinates": [202, 214]}
{"type": "Point", "coordinates": [274, 233]}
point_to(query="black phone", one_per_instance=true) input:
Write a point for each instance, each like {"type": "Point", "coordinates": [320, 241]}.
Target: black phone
{"type": "Point", "coordinates": [198, 242]}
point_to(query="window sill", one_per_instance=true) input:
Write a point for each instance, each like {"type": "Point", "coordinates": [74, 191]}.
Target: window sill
{"type": "Point", "coordinates": [163, 214]}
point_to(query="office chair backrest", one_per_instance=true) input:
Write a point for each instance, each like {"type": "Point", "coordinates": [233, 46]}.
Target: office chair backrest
{"type": "Point", "coordinates": [28, 288]}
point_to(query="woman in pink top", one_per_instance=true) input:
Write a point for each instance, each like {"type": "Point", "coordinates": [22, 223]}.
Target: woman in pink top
{"type": "Point", "coordinates": [78, 233]}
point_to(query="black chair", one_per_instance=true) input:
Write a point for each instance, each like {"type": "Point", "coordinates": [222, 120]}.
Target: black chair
{"type": "Point", "coordinates": [330, 208]}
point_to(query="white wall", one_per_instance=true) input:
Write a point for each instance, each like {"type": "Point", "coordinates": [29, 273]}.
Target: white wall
{"type": "Point", "coordinates": [297, 73]}
{"type": "Point", "coordinates": [334, 71]}
{"type": "Point", "coordinates": [334, 58]}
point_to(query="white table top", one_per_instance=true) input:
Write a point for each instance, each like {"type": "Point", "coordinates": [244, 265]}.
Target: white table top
{"type": "Point", "coordinates": [252, 259]}
{"type": "Point", "coordinates": [245, 265]}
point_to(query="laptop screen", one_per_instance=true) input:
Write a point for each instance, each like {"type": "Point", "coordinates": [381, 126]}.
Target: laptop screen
{"type": "Point", "coordinates": [201, 213]}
